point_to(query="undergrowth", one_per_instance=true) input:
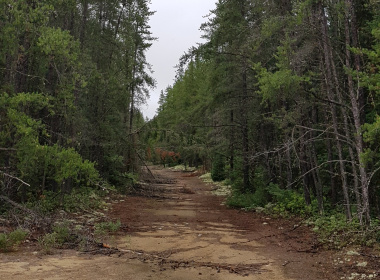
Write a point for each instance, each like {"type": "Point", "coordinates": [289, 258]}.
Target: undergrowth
{"type": "Point", "coordinates": [332, 228]}
{"type": "Point", "coordinates": [65, 234]}
{"type": "Point", "coordinates": [78, 199]}
{"type": "Point", "coordinates": [334, 231]}
{"type": "Point", "coordinates": [9, 241]}
{"type": "Point", "coordinates": [104, 229]}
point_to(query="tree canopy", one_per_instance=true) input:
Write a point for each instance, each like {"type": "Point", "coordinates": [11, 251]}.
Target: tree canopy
{"type": "Point", "coordinates": [72, 77]}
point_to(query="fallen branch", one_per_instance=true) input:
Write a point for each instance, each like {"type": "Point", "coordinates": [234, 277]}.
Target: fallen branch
{"type": "Point", "coordinates": [13, 177]}
{"type": "Point", "coordinates": [150, 172]}
{"type": "Point", "coordinates": [8, 149]}
{"type": "Point", "coordinates": [17, 205]}
{"type": "Point", "coordinates": [240, 269]}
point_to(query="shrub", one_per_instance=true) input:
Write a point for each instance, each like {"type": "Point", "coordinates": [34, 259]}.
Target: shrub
{"type": "Point", "coordinates": [218, 169]}
{"type": "Point", "coordinates": [336, 232]}
{"type": "Point", "coordinates": [48, 242]}
{"type": "Point", "coordinates": [61, 234]}
{"type": "Point", "coordinates": [248, 200]}
{"type": "Point", "coordinates": [8, 241]}
{"type": "Point", "coordinates": [81, 198]}
{"type": "Point", "coordinates": [242, 200]}
{"type": "Point", "coordinates": [288, 202]}
{"type": "Point", "coordinates": [102, 230]}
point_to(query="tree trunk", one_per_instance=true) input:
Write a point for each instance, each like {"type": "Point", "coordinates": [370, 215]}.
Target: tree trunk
{"type": "Point", "coordinates": [328, 64]}
{"type": "Point", "coordinates": [355, 97]}
{"type": "Point", "coordinates": [334, 193]}
{"type": "Point", "coordinates": [84, 24]}
{"type": "Point", "coordinates": [232, 141]}
{"type": "Point", "coordinates": [289, 172]}
{"type": "Point", "coordinates": [245, 132]}
{"type": "Point", "coordinates": [304, 171]}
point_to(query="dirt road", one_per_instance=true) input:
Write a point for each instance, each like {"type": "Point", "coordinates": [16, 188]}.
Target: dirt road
{"type": "Point", "coordinates": [184, 232]}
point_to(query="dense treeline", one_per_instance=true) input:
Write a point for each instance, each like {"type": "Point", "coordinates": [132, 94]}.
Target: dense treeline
{"type": "Point", "coordinates": [72, 76]}
{"type": "Point", "coordinates": [283, 97]}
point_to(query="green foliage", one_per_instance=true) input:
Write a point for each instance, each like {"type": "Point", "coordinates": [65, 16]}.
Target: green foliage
{"type": "Point", "coordinates": [104, 229]}
{"type": "Point", "coordinates": [371, 80]}
{"type": "Point", "coordinates": [107, 226]}
{"type": "Point", "coordinates": [59, 44]}
{"type": "Point", "coordinates": [9, 241]}
{"type": "Point", "coordinates": [273, 200]}
{"type": "Point", "coordinates": [246, 201]}
{"type": "Point", "coordinates": [336, 232]}
{"type": "Point", "coordinates": [279, 84]}
{"type": "Point", "coordinates": [79, 199]}
{"type": "Point", "coordinates": [62, 234]}
{"type": "Point", "coordinates": [48, 242]}
{"type": "Point", "coordinates": [38, 164]}
{"type": "Point", "coordinates": [56, 163]}
{"type": "Point", "coordinates": [218, 172]}
{"type": "Point", "coordinates": [288, 202]}
{"type": "Point", "coordinates": [181, 116]}
{"type": "Point", "coordinates": [235, 176]}
{"type": "Point", "coordinates": [70, 88]}
{"type": "Point", "coordinates": [250, 200]}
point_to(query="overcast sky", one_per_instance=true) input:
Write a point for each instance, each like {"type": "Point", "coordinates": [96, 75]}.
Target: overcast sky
{"type": "Point", "coordinates": [176, 24]}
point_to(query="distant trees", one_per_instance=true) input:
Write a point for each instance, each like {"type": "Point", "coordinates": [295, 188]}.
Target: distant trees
{"type": "Point", "coordinates": [72, 76]}
{"type": "Point", "coordinates": [287, 96]}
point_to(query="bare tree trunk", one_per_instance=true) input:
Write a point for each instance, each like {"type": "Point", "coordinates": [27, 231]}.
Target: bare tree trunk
{"type": "Point", "coordinates": [84, 24]}
{"type": "Point", "coordinates": [305, 172]}
{"type": "Point", "coordinates": [317, 179]}
{"type": "Point", "coordinates": [334, 193]}
{"type": "Point", "coordinates": [245, 132]}
{"type": "Point", "coordinates": [328, 63]}
{"type": "Point", "coordinates": [289, 171]}
{"type": "Point", "coordinates": [355, 97]}
{"type": "Point", "coordinates": [232, 141]}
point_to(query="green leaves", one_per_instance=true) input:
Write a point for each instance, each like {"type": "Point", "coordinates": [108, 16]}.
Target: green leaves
{"type": "Point", "coordinates": [58, 44]}
{"type": "Point", "coordinates": [278, 85]}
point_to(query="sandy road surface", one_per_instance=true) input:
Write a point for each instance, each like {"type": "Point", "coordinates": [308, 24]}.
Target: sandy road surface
{"type": "Point", "coordinates": [183, 232]}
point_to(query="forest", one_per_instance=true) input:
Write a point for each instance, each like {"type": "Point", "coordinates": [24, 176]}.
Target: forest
{"type": "Point", "coordinates": [280, 102]}
{"type": "Point", "coordinates": [72, 77]}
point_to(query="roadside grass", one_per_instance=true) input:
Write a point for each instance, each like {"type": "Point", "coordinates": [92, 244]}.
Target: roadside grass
{"type": "Point", "coordinates": [222, 188]}
{"type": "Point", "coordinates": [182, 167]}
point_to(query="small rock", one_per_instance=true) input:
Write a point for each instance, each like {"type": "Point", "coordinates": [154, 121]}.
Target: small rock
{"type": "Point", "coordinates": [362, 264]}
{"type": "Point", "coordinates": [352, 253]}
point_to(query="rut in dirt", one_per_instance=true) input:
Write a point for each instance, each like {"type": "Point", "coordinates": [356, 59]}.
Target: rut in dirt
{"type": "Point", "coordinates": [176, 222]}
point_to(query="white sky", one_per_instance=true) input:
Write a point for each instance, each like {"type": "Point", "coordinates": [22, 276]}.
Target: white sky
{"type": "Point", "coordinates": [176, 24]}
